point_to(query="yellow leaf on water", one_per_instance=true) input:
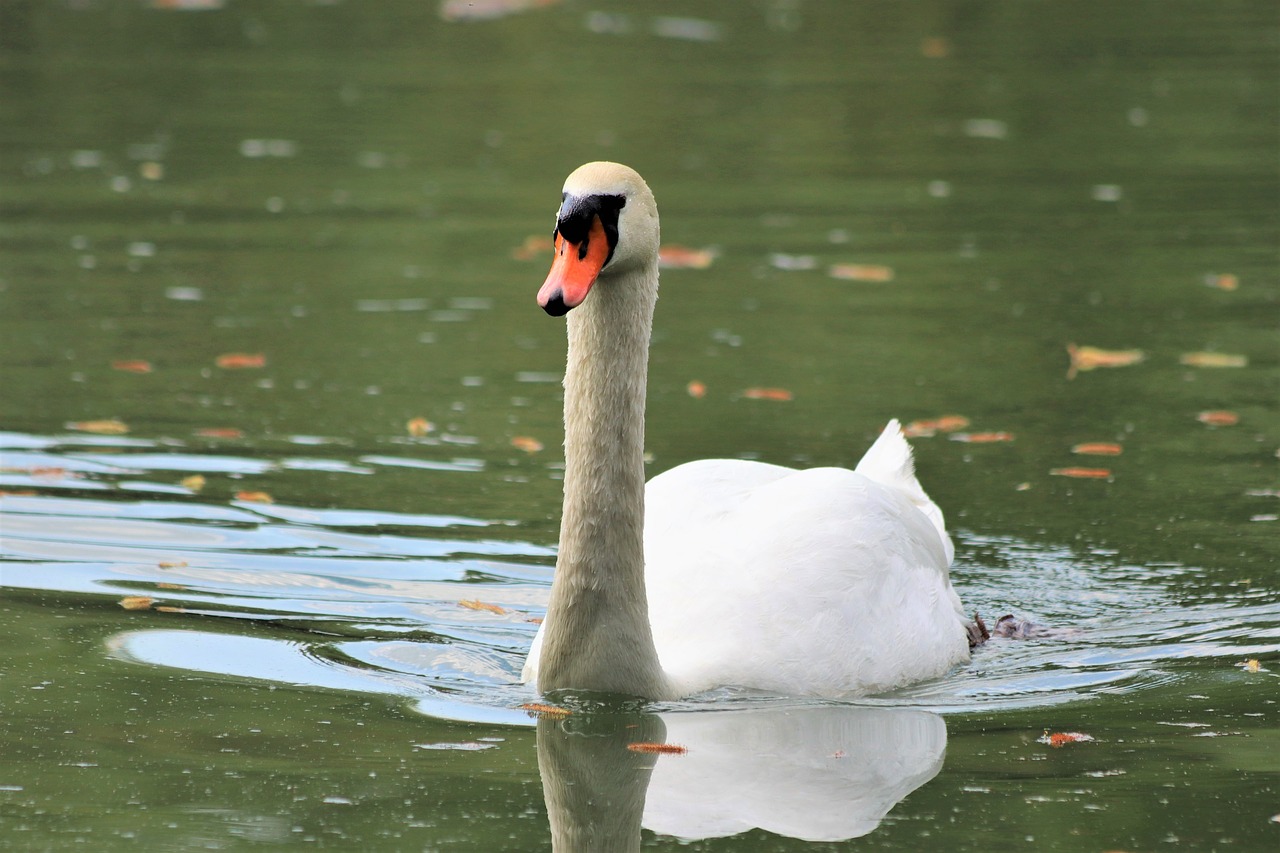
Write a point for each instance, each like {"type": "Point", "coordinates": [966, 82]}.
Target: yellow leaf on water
{"type": "Point", "coordinates": [1213, 359]}
{"type": "Point", "coordinates": [982, 437]}
{"type": "Point", "coordinates": [174, 564]}
{"type": "Point", "coordinates": [1222, 281]}
{"type": "Point", "coordinates": [932, 426]}
{"type": "Point", "coordinates": [107, 426]}
{"type": "Point", "coordinates": [474, 604]}
{"type": "Point", "coordinates": [1218, 417]}
{"type": "Point", "coordinates": [1098, 448]}
{"type": "Point", "coordinates": [195, 482]}
{"type": "Point", "coordinates": [526, 443]}
{"type": "Point", "coordinates": [684, 258]}
{"type": "Point", "coordinates": [538, 709]}
{"type": "Point", "coordinates": [1082, 473]}
{"type": "Point", "coordinates": [136, 602]}
{"type": "Point", "coordinates": [767, 394]}
{"type": "Point", "coordinates": [533, 247]}
{"type": "Point", "coordinates": [241, 360]}
{"type": "Point", "coordinates": [1090, 358]}
{"type": "Point", "coordinates": [861, 272]}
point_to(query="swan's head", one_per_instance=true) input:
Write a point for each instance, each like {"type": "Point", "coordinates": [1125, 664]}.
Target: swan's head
{"type": "Point", "coordinates": [607, 223]}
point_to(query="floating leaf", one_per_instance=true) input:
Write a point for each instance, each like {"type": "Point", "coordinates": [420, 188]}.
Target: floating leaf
{"type": "Point", "coordinates": [538, 709]}
{"type": "Point", "coordinates": [1213, 359]}
{"type": "Point", "coordinates": [1060, 739]}
{"type": "Point", "coordinates": [982, 437]}
{"type": "Point", "coordinates": [418, 427]}
{"type": "Point", "coordinates": [661, 748]}
{"type": "Point", "coordinates": [932, 426]}
{"type": "Point", "coordinates": [160, 608]}
{"type": "Point", "coordinates": [1219, 417]}
{"type": "Point", "coordinates": [526, 443]}
{"type": "Point", "coordinates": [683, 258]}
{"type": "Point", "coordinates": [696, 390]}
{"type": "Point", "coordinates": [195, 482]}
{"type": "Point", "coordinates": [475, 604]}
{"type": "Point", "coordinates": [935, 47]}
{"type": "Point", "coordinates": [767, 394]}
{"type": "Point", "coordinates": [219, 432]}
{"type": "Point", "coordinates": [1091, 358]}
{"type": "Point", "coordinates": [255, 497]}
{"type": "Point", "coordinates": [1251, 665]}
{"type": "Point", "coordinates": [1098, 448]}
{"type": "Point", "coordinates": [241, 360]}
{"type": "Point", "coordinates": [533, 247]}
{"type": "Point", "coordinates": [136, 602]}
{"type": "Point", "coordinates": [861, 272]}
{"type": "Point", "coordinates": [1082, 473]}
{"type": "Point", "coordinates": [176, 564]}
{"type": "Point", "coordinates": [1222, 281]}
{"type": "Point", "coordinates": [131, 365]}
{"type": "Point", "coordinates": [107, 426]}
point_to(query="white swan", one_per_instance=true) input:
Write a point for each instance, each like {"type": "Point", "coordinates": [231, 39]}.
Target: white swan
{"type": "Point", "coordinates": [821, 582]}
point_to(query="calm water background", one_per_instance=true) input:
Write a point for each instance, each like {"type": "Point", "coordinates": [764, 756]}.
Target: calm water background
{"type": "Point", "coordinates": [341, 187]}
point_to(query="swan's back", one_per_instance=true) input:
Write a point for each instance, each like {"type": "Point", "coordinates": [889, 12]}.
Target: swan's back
{"type": "Point", "coordinates": [824, 581]}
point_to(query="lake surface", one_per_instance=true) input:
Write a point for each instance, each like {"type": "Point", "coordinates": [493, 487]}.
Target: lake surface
{"type": "Point", "coordinates": [280, 424]}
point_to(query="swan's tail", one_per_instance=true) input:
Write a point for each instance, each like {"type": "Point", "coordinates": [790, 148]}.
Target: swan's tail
{"type": "Point", "coordinates": [888, 461]}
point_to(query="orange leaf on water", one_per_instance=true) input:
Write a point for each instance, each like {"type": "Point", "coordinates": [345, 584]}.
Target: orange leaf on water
{"type": "Point", "coordinates": [219, 432]}
{"type": "Point", "coordinates": [132, 365]}
{"type": "Point", "coordinates": [661, 748]}
{"type": "Point", "coordinates": [982, 437]}
{"type": "Point", "coordinates": [474, 604]}
{"type": "Point", "coordinates": [1213, 359]}
{"type": "Point", "coordinates": [932, 426]}
{"type": "Point", "coordinates": [136, 602]}
{"type": "Point", "coordinates": [255, 497]}
{"type": "Point", "coordinates": [241, 360]}
{"type": "Point", "coordinates": [532, 247]}
{"type": "Point", "coordinates": [1219, 417]}
{"type": "Point", "coordinates": [1250, 665]}
{"type": "Point", "coordinates": [683, 258]}
{"type": "Point", "coordinates": [526, 443]}
{"type": "Point", "coordinates": [1091, 358]}
{"type": "Point", "coordinates": [538, 709]}
{"type": "Point", "coordinates": [418, 427]}
{"type": "Point", "coordinates": [1082, 473]}
{"type": "Point", "coordinates": [1222, 281]}
{"type": "Point", "coordinates": [1060, 739]}
{"type": "Point", "coordinates": [696, 390]}
{"type": "Point", "coordinates": [107, 426]}
{"type": "Point", "coordinates": [767, 394]}
{"type": "Point", "coordinates": [860, 272]}
{"type": "Point", "coordinates": [935, 47]}
{"type": "Point", "coordinates": [1098, 448]}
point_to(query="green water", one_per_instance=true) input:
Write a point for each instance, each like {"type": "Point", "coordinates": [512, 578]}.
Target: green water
{"type": "Point", "coordinates": [340, 188]}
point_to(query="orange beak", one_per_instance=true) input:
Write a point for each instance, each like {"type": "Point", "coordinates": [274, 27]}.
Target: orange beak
{"type": "Point", "coordinates": [573, 270]}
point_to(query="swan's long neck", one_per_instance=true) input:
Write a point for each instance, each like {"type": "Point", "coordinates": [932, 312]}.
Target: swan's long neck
{"type": "Point", "coordinates": [597, 626]}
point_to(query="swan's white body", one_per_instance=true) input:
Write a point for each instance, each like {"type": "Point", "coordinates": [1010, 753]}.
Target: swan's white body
{"type": "Point", "coordinates": [820, 582]}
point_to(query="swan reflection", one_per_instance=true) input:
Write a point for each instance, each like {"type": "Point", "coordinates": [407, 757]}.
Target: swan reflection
{"type": "Point", "coordinates": [821, 773]}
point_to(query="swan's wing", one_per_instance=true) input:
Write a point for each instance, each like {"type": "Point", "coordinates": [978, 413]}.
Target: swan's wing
{"type": "Point", "coordinates": [889, 462]}
{"type": "Point", "coordinates": [822, 581]}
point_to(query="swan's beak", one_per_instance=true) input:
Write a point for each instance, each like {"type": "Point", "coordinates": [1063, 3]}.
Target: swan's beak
{"type": "Point", "coordinates": [573, 270]}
